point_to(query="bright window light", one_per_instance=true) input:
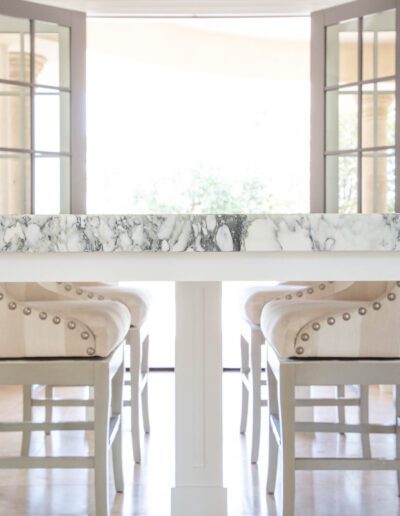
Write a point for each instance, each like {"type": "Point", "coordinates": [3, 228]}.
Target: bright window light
{"type": "Point", "coordinates": [198, 115]}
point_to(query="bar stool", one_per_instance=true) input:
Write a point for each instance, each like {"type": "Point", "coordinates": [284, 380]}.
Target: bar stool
{"type": "Point", "coordinates": [64, 341]}
{"type": "Point", "coordinates": [137, 339]}
{"type": "Point", "coordinates": [252, 341]}
{"type": "Point", "coordinates": [344, 341]}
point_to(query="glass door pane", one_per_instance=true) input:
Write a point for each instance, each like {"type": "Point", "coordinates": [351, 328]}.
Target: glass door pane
{"type": "Point", "coordinates": [38, 109]}
{"type": "Point", "coordinates": [379, 45]}
{"type": "Point", "coordinates": [360, 117]}
{"type": "Point", "coordinates": [342, 53]}
{"type": "Point", "coordinates": [378, 182]}
{"type": "Point", "coordinates": [14, 49]}
{"type": "Point", "coordinates": [52, 47]}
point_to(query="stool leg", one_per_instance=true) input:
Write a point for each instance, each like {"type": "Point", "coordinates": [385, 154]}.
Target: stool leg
{"type": "Point", "coordinates": [102, 390]}
{"type": "Point", "coordinates": [397, 394]}
{"type": "Point", "coordinates": [364, 419]}
{"type": "Point", "coordinates": [286, 388]}
{"type": "Point", "coordinates": [116, 404]}
{"type": "Point", "coordinates": [49, 393]}
{"type": "Point", "coordinates": [244, 352]}
{"type": "Point", "coordinates": [27, 416]}
{"type": "Point", "coordinates": [255, 356]}
{"type": "Point", "coordinates": [145, 391]}
{"type": "Point", "coordinates": [135, 405]}
{"type": "Point", "coordinates": [340, 393]}
{"type": "Point", "coordinates": [273, 448]}
{"type": "Point", "coordinates": [89, 410]}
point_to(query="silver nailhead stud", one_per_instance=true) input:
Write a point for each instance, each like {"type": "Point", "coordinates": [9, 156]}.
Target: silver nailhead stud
{"type": "Point", "coordinates": [12, 305]}
{"type": "Point", "coordinates": [288, 296]}
{"type": "Point", "coordinates": [90, 351]}
{"type": "Point", "coordinates": [321, 286]}
{"type": "Point", "coordinates": [27, 310]}
{"type": "Point", "coordinates": [376, 305]}
{"type": "Point", "coordinates": [1, 296]}
{"type": "Point", "coordinates": [346, 316]}
{"type": "Point", "coordinates": [43, 316]}
{"type": "Point", "coordinates": [331, 321]}
{"type": "Point", "coordinates": [90, 295]}
{"type": "Point", "coordinates": [305, 337]}
{"type": "Point", "coordinates": [299, 350]}
{"type": "Point", "coordinates": [68, 287]}
{"type": "Point", "coordinates": [362, 311]}
{"type": "Point", "coordinates": [56, 319]}
{"type": "Point", "coordinates": [310, 290]}
{"type": "Point", "coordinates": [391, 296]}
{"type": "Point", "coordinates": [398, 283]}
{"type": "Point", "coordinates": [71, 325]}
{"type": "Point", "coordinates": [79, 291]}
{"type": "Point", "coordinates": [85, 335]}
{"type": "Point", "coordinates": [100, 298]}
{"type": "Point", "coordinates": [316, 326]}
{"type": "Point", "coordinates": [299, 294]}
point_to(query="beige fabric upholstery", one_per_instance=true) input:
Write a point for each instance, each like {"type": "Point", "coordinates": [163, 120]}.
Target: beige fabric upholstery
{"type": "Point", "coordinates": [59, 328]}
{"type": "Point", "coordinates": [255, 298]}
{"type": "Point", "coordinates": [362, 321]}
{"type": "Point", "coordinates": [137, 301]}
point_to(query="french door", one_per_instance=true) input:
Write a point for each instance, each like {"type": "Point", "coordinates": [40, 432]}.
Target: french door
{"type": "Point", "coordinates": [354, 92]}
{"type": "Point", "coordinates": [42, 109]}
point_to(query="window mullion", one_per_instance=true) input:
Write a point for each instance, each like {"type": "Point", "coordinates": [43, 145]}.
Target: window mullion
{"type": "Point", "coordinates": [32, 121]}
{"type": "Point", "coordinates": [359, 115]}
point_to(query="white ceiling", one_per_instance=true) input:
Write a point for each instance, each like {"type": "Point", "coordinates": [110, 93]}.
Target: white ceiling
{"type": "Point", "coordinates": [193, 7]}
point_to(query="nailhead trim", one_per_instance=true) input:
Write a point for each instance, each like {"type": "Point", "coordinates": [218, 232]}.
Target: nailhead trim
{"type": "Point", "coordinates": [305, 337]}
{"type": "Point", "coordinates": [1, 296]}
{"type": "Point", "coordinates": [85, 335]}
{"type": "Point", "coordinates": [71, 325]}
{"type": "Point", "coordinates": [90, 295]}
{"type": "Point", "coordinates": [68, 287]}
{"type": "Point", "coordinates": [43, 316]}
{"type": "Point", "coordinates": [288, 296]}
{"type": "Point", "coordinates": [299, 350]}
{"type": "Point", "coordinates": [391, 296]}
{"type": "Point", "coordinates": [79, 291]}
{"type": "Point", "coordinates": [100, 298]}
{"type": "Point", "coordinates": [56, 319]}
{"type": "Point", "coordinates": [90, 351]}
{"type": "Point", "coordinates": [331, 321]}
{"type": "Point", "coordinates": [376, 305]}
{"type": "Point", "coordinates": [321, 286]}
{"type": "Point", "coordinates": [12, 305]}
{"type": "Point", "coordinates": [27, 310]}
{"type": "Point", "coordinates": [310, 290]}
{"type": "Point", "coordinates": [346, 316]}
{"type": "Point", "coordinates": [316, 326]}
{"type": "Point", "coordinates": [362, 310]}
{"type": "Point", "coordinates": [299, 294]}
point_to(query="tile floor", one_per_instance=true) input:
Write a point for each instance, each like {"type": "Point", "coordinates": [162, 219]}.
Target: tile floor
{"type": "Point", "coordinates": [147, 493]}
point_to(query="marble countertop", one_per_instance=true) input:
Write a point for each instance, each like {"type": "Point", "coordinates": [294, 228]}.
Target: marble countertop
{"type": "Point", "coordinates": [199, 233]}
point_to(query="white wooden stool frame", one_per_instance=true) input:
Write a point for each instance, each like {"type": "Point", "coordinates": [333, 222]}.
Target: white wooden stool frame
{"type": "Point", "coordinates": [283, 376]}
{"type": "Point", "coordinates": [136, 377]}
{"type": "Point", "coordinates": [251, 342]}
{"type": "Point", "coordinates": [106, 377]}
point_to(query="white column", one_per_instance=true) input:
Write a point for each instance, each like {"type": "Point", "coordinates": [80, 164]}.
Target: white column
{"type": "Point", "coordinates": [198, 487]}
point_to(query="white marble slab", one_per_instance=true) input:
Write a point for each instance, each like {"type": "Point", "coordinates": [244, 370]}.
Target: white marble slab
{"type": "Point", "coordinates": [200, 233]}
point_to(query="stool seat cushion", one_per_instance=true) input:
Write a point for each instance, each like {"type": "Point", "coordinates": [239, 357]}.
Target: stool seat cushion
{"type": "Point", "coordinates": [255, 298]}
{"type": "Point", "coordinates": [135, 300]}
{"type": "Point", "coordinates": [334, 328]}
{"type": "Point", "coordinates": [61, 328]}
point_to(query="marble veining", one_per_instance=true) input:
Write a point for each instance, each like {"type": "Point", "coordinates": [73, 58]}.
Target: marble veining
{"type": "Point", "coordinates": [199, 233]}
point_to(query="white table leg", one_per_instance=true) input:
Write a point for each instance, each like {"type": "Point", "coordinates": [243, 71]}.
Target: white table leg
{"type": "Point", "coordinates": [198, 487]}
